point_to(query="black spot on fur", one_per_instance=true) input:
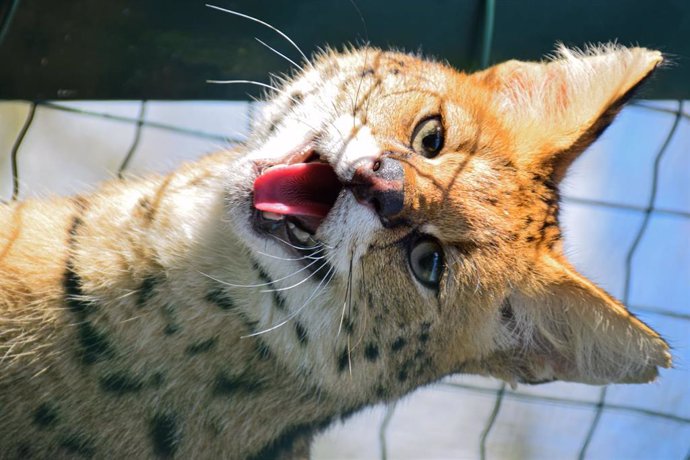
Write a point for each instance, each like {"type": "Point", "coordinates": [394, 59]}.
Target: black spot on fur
{"type": "Point", "coordinates": [45, 416]}
{"type": "Point", "coordinates": [424, 333]}
{"type": "Point", "coordinates": [24, 451]}
{"type": "Point", "coordinates": [301, 334]}
{"type": "Point", "coordinates": [399, 343]}
{"type": "Point", "coordinates": [94, 343]}
{"type": "Point", "coordinates": [157, 379]}
{"type": "Point", "coordinates": [165, 434]}
{"type": "Point", "coordinates": [120, 383]}
{"type": "Point", "coordinates": [76, 444]}
{"type": "Point", "coordinates": [507, 314]}
{"type": "Point", "coordinates": [171, 329]}
{"type": "Point", "coordinates": [530, 238]}
{"type": "Point", "coordinates": [284, 444]}
{"type": "Point", "coordinates": [371, 352]}
{"type": "Point", "coordinates": [403, 374]}
{"type": "Point", "coordinates": [225, 385]}
{"type": "Point", "coordinates": [348, 325]}
{"type": "Point", "coordinates": [201, 347]}
{"type": "Point", "coordinates": [147, 290]}
{"type": "Point", "coordinates": [263, 350]}
{"type": "Point", "coordinates": [278, 299]}
{"type": "Point", "coordinates": [221, 299]}
{"type": "Point", "coordinates": [343, 360]}
{"type": "Point", "coordinates": [74, 296]}
{"type": "Point", "coordinates": [395, 71]}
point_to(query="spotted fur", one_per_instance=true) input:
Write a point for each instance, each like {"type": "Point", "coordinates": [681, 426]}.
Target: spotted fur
{"type": "Point", "coordinates": [145, 320]}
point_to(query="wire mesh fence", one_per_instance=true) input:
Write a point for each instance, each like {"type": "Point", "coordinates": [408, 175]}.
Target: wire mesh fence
{"type": "Point", "coordinates": [666, 404]}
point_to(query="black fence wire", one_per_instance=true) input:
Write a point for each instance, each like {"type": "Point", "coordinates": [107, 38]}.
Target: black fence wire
{"type": "Point", "coordinates": [600, 406]}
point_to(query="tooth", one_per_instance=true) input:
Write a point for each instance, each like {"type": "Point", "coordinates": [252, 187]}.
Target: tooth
{"type": "Point", "coordinates": [298, 233]}
{"type": "Point", "coordinates": [272, 216]}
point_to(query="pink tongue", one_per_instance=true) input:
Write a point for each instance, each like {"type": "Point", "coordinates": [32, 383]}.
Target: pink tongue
{"type": "Point", "coordinates": [302, 189]}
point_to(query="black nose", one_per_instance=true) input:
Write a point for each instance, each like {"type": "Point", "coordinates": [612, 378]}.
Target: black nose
{"type": "Point", "coordinates": [379, 184]}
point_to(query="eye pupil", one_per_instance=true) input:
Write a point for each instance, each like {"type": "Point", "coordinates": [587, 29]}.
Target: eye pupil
{"type": "Point", "coordinates": [426, 261]}
{"type": "Point", "coordinates": [427, 138]}
{"type": "Point", "coordinates": [432, 142]}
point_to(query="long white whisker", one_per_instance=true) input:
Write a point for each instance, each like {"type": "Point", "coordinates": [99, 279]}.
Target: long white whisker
{"type": "Point", "coordinates": [301, 282]}
{"type": "Point", "coordinates": [225, 283]}
{"type": "Point", "coordinates": [296, 312]}
{"type": "Point", "coordinates": [279, 54]}
{"type": "Point", "coordinates": [321, 244]}
{"type": "Point", "coordinates": [311, 256]}
{"type": "Point", "coordinates": [248, 82]}
{"type": "Point", "coordinates": [275, 29]}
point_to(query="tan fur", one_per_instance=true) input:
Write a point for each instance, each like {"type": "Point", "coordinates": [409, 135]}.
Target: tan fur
{"type": "Point", "coordinates": [125, 330]}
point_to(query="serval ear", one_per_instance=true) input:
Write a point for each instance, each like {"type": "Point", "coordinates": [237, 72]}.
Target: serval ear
{"type": "Point", "coordinates": [563, 327]}
{"type": "Point", "coordinates": [557, 109]}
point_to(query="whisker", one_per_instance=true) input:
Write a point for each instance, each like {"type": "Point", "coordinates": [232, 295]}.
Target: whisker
{"type": "Point", "coordinates": [301, 282]}
{"type": "Point", "coordinates": [321, 244]}
{"type": "Point", "coordinates": [279, 54]}
{"type": "Point", "coordinates": [225, 283]}
{"type": "Point", "coordinates": [311, 256]}
{"type": "Point", "coordinates": [329, 276]}
{"type": "Point", "coordinates": [275, 29]}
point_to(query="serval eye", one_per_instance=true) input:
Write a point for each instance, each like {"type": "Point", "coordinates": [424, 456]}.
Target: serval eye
{"type": "Point", "coordinates": [427, 138]}
{"type": "Point", "coordinates": [426, 261]}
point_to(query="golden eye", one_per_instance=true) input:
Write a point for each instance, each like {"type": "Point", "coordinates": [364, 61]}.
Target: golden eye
{"type": "Point", "coordinates": [427, 137]}
{"type": "Point", "coordinates": [425, 257]}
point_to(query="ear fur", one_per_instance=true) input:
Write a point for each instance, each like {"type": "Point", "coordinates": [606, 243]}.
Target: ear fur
{"type": "Point", "coordinates": [569, 329]}
{"type": "Point", "coordinates": [558, 108]}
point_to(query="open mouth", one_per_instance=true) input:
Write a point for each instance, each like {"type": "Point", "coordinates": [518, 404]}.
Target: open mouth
{"type": "Point", "coordinates": [292, 199]}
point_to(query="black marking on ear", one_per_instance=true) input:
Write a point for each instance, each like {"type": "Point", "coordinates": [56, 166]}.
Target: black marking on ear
{"type": "Point", "coordinates": [343, 360]}
{"type": "Point", "coordinates": [46, 415]}
{"type": "Point", "coordinates": [399, 343]}
{"type": "Point", "coordinates": [302, 336]}
{"type": "Point", "coordinates": [94, 343]}
{"type": "Point", "coordinates": [77, 444]}
{"type": "Point", "coordinates": [225, 385]}
{"type": "Point", "coordinates": [120, 383]}
{"type": "Point", "coordinates": [371, 352]}
{"type": "Point", "coordinates": [165, 434]}
{"type": "Point", "coordinates": [147, 290]}
{"type": "Point", "coordinates": [201, 347]}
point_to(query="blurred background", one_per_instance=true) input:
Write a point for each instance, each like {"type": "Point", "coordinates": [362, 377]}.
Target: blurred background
{"type": "Point", "coordinates": [89, 89]}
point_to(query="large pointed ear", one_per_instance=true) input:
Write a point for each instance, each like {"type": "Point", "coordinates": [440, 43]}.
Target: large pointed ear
{"type": "Point", "coordinates": [566, 328]}
{"type": "Point", "coordinates": [558, 108]}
